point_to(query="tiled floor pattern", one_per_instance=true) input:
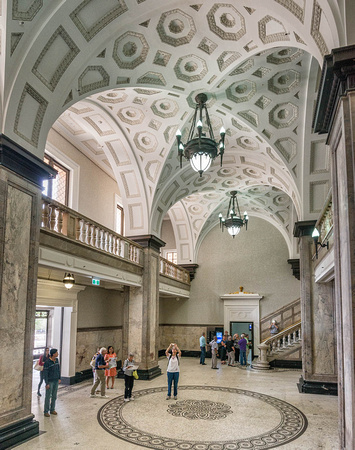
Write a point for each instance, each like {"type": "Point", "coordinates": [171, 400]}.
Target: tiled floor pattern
{"type": "Point", "coordinates": [224, 409]}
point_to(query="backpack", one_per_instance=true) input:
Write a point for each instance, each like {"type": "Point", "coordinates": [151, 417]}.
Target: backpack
{"type": "Point", "coordinates": [93, 361]}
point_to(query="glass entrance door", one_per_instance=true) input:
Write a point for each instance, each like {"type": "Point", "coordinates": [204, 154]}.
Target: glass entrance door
{"type": "Point", "coordinates": [246, 328]}
{"type": "Point", "coordinates": [41, 333]}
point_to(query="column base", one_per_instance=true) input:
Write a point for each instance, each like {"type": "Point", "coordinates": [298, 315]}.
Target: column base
{"type": "Point", "coordinates": [260, 365]}
{"type": "Point", "coordinates": [18, 432]}
{"type": "Point", "coordinates": [316, 387]}
{"type": "Point", "coordinates": [149, 374]}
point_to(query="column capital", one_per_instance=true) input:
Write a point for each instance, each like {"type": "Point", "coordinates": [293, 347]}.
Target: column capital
{"type": "Point", "coordinates": [295, 265]}
{"type": "Point", "coordinates": [304, 228]}
{"type": "Point", "coordinates": [148, 241]}
{"type": "Point", "coordinates": [24, 163]}
{"type": "Point", "coordinates": [338, 77]}
{"type": "Point", "coordinates": [191, 268]}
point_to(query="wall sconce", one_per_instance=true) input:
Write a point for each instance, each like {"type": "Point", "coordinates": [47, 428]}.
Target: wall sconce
{"type": "Point", "coordinates": [69, 280]}
{"type": "Point", "coordinates": [315, 236]}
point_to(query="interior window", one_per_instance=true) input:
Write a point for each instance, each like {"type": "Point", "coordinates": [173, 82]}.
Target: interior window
{"type": "Point", "coordinates": [57, 188]}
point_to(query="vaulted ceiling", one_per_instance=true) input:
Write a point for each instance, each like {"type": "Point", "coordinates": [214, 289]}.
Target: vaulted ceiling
{"type": "Point", "coordinates": [118, 78]}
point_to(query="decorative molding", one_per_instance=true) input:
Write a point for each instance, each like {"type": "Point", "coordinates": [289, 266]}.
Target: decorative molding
{"type": "Point", "coordinates": [176, 28]}
{"type": "Point", "coordinates": [64, 59]}
{"type": "Point", "coordinates": [130, 50]}
{"type": "Point", "coordinates": [315, 33]}
{"type": "Point", "coordinates": [28, 90]}
{"type": "Point", "coordinates": [228, 24]}
{"type": "Point", "coordinates": [304, 228]}
{"type": "Point", "coordinates": [105, 80]}
{"type": "Point", "coordinates": [20, 13]}
{"type": "Point", "coordinates": [90, 32]}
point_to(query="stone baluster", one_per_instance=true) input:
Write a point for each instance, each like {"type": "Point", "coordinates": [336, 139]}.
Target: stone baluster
{"type": "Point", "coordinates": [81, 233]}
{"type": "Point", "coordinates": [106, 241]}
{"type": "Point", "coordinates": [92, 235]}
{"type": "Point", "coordinates": [97, 237]}
{"type": "Point", "coordinates": [289, 341]}
{"type": "Point", "coordinates": [77, 229]}
{"type": "Point", "coordinates": [278, 344]}
{"type": "Point", "coordinates": [114, 244]}
{"type": "Point", "coordinates": [60, 220]}
{"type": "Point", "coordinates": [102, 240]}
{"type": "Point", "coordinates": [52, 217]}
{"type": "Point", "coordinates": [45, 215]}
{"type": "Point", "coordinates": [86, 233]}
{"type": "Point", "coordinates": [110, 242]}
{"type": "Point", "coordinates": [119, 247]}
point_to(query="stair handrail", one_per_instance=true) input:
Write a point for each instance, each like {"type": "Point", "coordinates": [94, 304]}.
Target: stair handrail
{"type": "Point", "coordinates": [282, 333]}
{"type": "Point", "coordinates": [277, 343]}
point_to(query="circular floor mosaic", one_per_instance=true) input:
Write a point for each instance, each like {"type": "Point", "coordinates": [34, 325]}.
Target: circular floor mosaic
{"type": "Point", "coordinates": [151, 421]}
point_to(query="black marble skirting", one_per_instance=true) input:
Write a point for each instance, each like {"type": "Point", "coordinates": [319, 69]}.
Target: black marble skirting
{"type": "Point", "coordinates": [188, 353]}
{"type": "Point", "coordinates": [314, 387]}
{"type": "Point", "coordinates": [285, 364]}
{"type": "Point", "coordinates": [16, 433]}
{"type": "Point", "coordinates": [149, 374]}
{"type": "Point", "coordinates": [85, 375]}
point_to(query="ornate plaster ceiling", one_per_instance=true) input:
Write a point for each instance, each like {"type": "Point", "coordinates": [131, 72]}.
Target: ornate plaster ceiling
{"type": "Point", "coordinates": [117, 78]}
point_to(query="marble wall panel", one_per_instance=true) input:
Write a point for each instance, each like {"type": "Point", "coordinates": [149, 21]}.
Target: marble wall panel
{"type": "Point", "coordinates": [14, 296]}
{"type": "Point", "coordinates": [88, 340]}
{"type": "Point", "coordinates": [186, 337]}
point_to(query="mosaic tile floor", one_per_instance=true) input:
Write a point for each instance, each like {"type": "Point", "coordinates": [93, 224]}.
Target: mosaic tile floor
{"type": "Point", "coordinates": [216, 409]}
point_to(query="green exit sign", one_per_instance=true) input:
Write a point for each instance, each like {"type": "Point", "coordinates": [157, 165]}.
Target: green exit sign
{"type": "Point", "coordinates": [96, 282]}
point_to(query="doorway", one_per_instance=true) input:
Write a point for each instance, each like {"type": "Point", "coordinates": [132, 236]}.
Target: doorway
{"type": "Point", "coordinates": [246, 328]}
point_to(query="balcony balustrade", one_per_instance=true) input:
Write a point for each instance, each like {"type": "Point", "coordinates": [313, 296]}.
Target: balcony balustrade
{"type": "Point", "coordinates": [60, 219]}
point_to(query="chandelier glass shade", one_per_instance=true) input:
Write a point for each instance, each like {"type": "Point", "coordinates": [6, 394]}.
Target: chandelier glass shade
{"type": "Point", "coordinates": [233, 220]}
{"type": "Point", "coordinates": [200, 149]}
{"type": "Point", "coordinates": [69, 280]}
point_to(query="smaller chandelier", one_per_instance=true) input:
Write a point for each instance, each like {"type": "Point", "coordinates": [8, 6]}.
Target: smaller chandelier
{"type": "Point", "coordinates": [199, 149]}
{"type": "Point", "coordinates": [69, 280]}
{"type": "Point", "coordinates": [233, 221]}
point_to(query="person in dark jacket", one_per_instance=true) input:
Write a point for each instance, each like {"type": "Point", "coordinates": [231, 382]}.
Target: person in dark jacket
{"type": "Point", "coordinates": [243, 350]}
{"type": "Point", "coordinates": [51, 375]}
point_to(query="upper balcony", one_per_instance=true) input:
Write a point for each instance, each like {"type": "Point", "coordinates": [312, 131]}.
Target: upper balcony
{"type": "Point", "coordinates": [75, 243]}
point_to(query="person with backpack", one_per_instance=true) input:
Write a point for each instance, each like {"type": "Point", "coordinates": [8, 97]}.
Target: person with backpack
{"type": "Point", "coordinates": [173, 353]}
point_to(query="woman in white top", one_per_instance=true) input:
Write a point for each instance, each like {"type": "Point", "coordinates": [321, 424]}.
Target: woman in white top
{"type": "Point", "coordinates": [173, 368]}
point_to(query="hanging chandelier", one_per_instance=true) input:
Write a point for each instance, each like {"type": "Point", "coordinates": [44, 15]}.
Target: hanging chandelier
{"type": "Point", "coordinates": [199, 149]}
{"type": "Point", "coordinates": [233, 221]}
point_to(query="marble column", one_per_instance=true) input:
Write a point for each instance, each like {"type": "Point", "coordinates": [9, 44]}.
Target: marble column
{"type": "Point", "coordinates": [335, 114]}
{"type": "Point", "coordinates": [21, 176]}
{"type": "Point", "coordinates": [141, 312]}
{"type": "Point", "coordinates": [319, 371]}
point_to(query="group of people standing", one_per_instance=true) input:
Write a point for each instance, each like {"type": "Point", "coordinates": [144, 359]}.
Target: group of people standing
{"type": "Point", "coordinates": [104, 366]}
{"type": "Point", "coordinates": [229, 350]}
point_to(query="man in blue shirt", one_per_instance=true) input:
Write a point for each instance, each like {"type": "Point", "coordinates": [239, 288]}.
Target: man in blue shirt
{"type": "Point", "coordinates": [243, 348]}
{"type": "Point", "coordinates": [51, 375]}
{"type": "Point", "coordinates": [100, 366]}
{"type": "Point", "coordinates": [203, 349]}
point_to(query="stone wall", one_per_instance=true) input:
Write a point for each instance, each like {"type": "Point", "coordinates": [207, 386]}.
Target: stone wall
{"type": "Point", "coordinates": [256, 259]}
{"type": "Point", "coordinates": [88, 339]}
{"type": "Point", "coordinates": [185, 336]}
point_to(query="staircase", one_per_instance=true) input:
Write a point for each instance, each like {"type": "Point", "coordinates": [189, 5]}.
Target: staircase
{"type": "Point", "coordinates": [279, 346]}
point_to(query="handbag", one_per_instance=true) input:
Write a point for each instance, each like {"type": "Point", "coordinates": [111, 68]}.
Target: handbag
{"type": "Point", "coordinates": [135, 375]}
{"type": "Point", "coordinates": [37, 366]}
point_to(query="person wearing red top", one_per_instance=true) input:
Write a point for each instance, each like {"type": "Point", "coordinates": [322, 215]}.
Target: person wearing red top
{"type": "Point", "coordinates": [111, 372]}
{"type": "Point", "coordinates": [42, 359]}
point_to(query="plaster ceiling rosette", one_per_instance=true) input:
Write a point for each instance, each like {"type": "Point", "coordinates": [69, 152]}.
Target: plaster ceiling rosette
{"type": "Point", "coordinates": [176, 28]}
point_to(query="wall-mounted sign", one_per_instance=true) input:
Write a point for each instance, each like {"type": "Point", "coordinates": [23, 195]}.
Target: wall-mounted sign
{"type": "Point", "coordinates": [95, 282]}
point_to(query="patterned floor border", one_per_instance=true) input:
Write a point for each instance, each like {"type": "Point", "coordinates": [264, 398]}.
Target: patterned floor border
{"type": "Point", "coordinates": [292, 425]}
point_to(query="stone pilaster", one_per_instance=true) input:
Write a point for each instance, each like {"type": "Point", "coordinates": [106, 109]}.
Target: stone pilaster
{"type": "Point", "coordinates": [141, 312]}
{"type": "Point", "coordinates": [318, 324]}
{"type": "Point", "coordinates": [335, 115]}
{"type": "Point", "coordinates": [21, 176]}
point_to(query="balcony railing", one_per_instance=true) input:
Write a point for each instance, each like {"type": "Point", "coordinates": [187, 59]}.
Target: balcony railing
{"type": "Point", "coordinates": [67, 222]}
{"type": "Point", "coordinates": [174, 271]}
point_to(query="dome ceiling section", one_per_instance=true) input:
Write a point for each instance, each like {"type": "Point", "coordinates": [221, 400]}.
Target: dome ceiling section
{"type": "Point", "coordinates": [266, 202]}
{"type": "Point", "coordinates": [87, 46]}
{"type": "Point", "coordinates": [96, 134]}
